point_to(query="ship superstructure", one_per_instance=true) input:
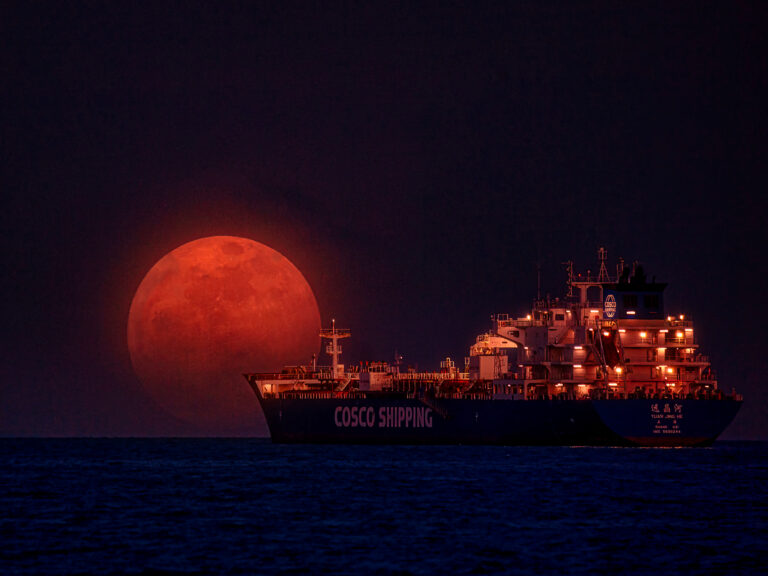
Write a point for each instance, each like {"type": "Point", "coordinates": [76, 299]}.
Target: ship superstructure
{"type": "Point", "coordinates": [602, 365]}
{"type": "Point", "coordinates": [609, 337]}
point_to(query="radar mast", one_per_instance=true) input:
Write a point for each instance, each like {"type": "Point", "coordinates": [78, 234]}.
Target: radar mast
{"type": "Point", "coordinates": [333, 348]}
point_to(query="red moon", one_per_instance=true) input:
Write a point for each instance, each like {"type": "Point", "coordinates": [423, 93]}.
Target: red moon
{"type": "Point", "coordinates": [210, 310]}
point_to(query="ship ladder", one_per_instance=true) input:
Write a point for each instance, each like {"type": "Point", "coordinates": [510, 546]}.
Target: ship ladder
{"type": "Point", "coordinates": [344, 385]}
{"type": "Point", "coordinates": [621, 355]}
{"type": "Point", "coordinates": [434, 405]}
{"type": "Point", "coordinates": [600, 353]}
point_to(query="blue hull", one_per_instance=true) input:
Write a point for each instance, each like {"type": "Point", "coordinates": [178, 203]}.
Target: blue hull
{"type": "Point", "coordinates": [380, 420]}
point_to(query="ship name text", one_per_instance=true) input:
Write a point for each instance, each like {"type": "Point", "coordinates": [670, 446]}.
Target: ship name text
{"type": "Point", "coordinates": [386, 417]}
{"type": "Point", "coordinates": [667, 419]}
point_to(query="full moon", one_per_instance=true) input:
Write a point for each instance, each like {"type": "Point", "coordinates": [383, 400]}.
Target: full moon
{"type": "Point", "coordinates": [211, 310]}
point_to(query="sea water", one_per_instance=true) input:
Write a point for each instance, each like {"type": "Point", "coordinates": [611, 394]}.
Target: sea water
{"type": "Point", "coordinates": [217, 506]}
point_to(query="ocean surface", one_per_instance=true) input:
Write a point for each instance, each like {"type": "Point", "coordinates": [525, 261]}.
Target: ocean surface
{"type": "Point", "coordinates": [218, 506]}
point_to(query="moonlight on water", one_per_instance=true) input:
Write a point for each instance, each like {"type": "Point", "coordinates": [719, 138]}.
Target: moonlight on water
{"type": "Point", "coordinates": [211, 310]}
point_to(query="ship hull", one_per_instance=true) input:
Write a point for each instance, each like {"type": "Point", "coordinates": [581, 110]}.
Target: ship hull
{"type": "Point", "coordinates": [375, 420]}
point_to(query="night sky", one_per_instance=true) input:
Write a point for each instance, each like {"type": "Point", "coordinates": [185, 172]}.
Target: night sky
{"type": "Point", "coordinates": [415, 161]}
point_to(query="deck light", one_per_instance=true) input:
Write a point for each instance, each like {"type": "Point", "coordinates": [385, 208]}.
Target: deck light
{"type": "Point", "coordinates": [643, 334]}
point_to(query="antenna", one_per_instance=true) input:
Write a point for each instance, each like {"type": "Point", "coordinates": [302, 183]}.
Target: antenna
{"type": "Point", "coordinates": [538, 281]}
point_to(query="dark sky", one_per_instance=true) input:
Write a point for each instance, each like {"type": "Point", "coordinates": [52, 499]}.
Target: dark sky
{"type": "Point", "coordinates": [416, 161]}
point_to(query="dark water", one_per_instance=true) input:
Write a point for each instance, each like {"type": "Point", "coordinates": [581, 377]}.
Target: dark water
{"type": "Point", "coordinates": [245, 506]}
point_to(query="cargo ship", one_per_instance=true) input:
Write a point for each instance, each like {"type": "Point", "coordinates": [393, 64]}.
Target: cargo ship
{"type": "Point", "coordinates": [603, 365]}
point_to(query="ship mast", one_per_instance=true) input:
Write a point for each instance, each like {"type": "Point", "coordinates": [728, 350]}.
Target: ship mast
{"type": "Point", "coordinates": [602, 255]}
{"type": "Point", "coordinates": [569, 268]}
{"type": "Point", "coordinates": [333, 348]}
